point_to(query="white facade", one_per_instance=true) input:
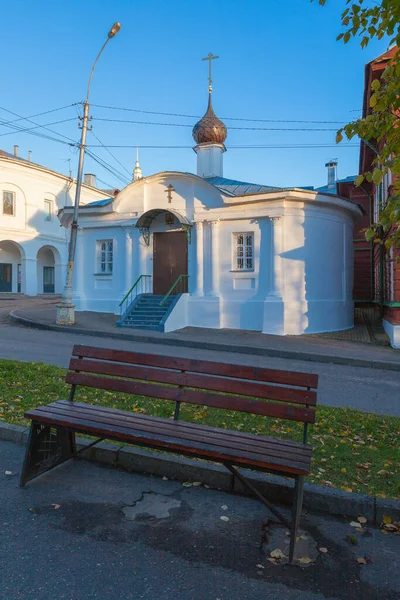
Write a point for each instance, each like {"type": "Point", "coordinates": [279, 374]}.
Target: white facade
{"type": "Point", "coordinates": [33, 246]}
{"type": "Point", "coordinates": [297, 280]}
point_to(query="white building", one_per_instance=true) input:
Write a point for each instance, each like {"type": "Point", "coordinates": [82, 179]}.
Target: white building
{"type": "Point", "coordinates": [240, 255]}
{"type": "Point", "coordinates": [33, 246]}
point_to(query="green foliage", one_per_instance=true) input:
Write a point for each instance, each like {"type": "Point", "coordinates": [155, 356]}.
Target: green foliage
{"type": "Point", "coordinates": [353, 450]}
{"type": "Point", "coordinates": [380, 128]}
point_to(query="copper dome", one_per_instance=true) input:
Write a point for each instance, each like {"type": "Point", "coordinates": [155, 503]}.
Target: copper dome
{"type": "Point", "coordinates": [210, 129]}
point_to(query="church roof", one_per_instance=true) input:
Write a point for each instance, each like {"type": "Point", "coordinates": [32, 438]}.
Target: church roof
{"type": "Point", "coordinates": [243, 188]}
{"type": "Point", "coordinates": [325, 189]}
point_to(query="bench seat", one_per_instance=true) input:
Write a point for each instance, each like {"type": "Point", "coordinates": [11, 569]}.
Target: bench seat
{"type": "Point", "coordinates": [192, 439]}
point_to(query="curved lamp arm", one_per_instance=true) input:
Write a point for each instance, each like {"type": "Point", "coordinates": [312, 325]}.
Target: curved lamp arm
{"type": "Point", "coordinates": [113, 31]}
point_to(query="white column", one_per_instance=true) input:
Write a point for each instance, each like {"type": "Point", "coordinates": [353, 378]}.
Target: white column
{"type": "Point", "coordinates": [214, 258]}
{"type": "Point", "coordinates": [129, 279]}
{"type": "Point", "coordinates": [275, 286]}
{"type": "Point", "coordinates": [29, 276]}
{"type": "Point", "coordinates": [199, 291]}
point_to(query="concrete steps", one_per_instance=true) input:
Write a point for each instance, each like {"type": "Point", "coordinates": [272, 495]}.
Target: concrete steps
{"type": "Point", "coordinates": [146, 313]}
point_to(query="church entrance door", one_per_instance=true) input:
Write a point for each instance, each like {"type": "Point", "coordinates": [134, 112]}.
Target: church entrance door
{"type": "Point", "coordinates": [170, 259]}
{"type": "Point", "coordinates": [5, 277]}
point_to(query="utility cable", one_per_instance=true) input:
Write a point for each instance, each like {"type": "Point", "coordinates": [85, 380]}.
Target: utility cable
{"type": "Point", "coordinates": [153, 112]}
{"type": "Point", "coordinates": [34, 123]}
{"type": "Point", "coordinates": [235, 128]}
{"type": "Point", "coordinates": [111, 154]}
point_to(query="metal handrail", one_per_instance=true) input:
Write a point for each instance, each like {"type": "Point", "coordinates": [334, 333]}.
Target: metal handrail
{"type": "Point", "coordinates": [128, 295]}
{"type": "Point", "coordinates": [179, 280]}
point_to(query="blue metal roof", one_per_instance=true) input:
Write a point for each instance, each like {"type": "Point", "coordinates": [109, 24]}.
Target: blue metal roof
{"type": "Point", "coordinates": [239, 188]}
{"type": "Point", "coordinates": [104, 202]}
{"type": "Point", "coordinates": [243, 188]}
{"type": "Point", "coordinates": [325, 190]}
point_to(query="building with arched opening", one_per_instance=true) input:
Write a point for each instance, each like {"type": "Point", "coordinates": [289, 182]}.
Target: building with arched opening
{"type": "Point", "coordinates": [33, 246]}
{"type": "Point", "coordinates": [176, 249]}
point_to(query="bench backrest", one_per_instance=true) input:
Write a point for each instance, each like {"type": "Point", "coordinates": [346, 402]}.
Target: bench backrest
{"type": "Point", "coordinates": [280, 394]}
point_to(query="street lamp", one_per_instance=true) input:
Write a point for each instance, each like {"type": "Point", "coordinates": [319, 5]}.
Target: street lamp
{"type": "Point", "coordinates": [65, 310]}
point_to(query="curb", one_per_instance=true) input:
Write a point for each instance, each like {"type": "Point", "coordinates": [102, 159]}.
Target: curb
{"type": "Point", "coordinates": [279, 490]}
{"type": "Point", "coordinates": [254, 350]}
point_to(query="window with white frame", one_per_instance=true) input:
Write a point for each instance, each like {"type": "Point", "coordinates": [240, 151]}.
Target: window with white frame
{"type": "Point", "coordinates": [105, 256]}
{"type": "Point", "coordinates": [243, 250]}
{"type": "Point", "coordinates": [9, 203]}
{"type": "Point", "coordinates": [48, 210]}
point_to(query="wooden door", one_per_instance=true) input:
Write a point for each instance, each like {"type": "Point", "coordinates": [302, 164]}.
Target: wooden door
{"type": "Point", "coordinates": [48, 280]}
{"type": "Point", "coordinates": [169, 260]}
{"type": "Point", "coordinates": [5, 277]}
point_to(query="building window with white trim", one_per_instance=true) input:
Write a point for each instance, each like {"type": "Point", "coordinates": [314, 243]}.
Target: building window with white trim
{"type": "Point", "coordinates": [243, 252]}
{"type": "Point", "coordinates": [9, 203]}
{"type": "Point", "coordinates": [104, 256]}
{"type": "Point", "coordinates": [48, 210]}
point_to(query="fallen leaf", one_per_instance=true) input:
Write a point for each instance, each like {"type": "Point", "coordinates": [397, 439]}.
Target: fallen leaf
{"type": "Point", "coordinates": [260, 566]}
{"type": "Point", "coordinates": [277, 553]}
{"type": "Point", "coordinates": [362, 520]}
{"type": "Point", "coordinates": [224, 507]}
{"type": "Point", "coordinates": [8, 472]}
{"type": "Point", "coordinates": [304, 560]}
{"type": "Point", "coordinates": [361, 561]}
{"type": "Point", "coordinates": [187, 484]}
{"type": "Point", "coordinates": [355, 524]}
{"type": "Point", "coordinates": [383, 472]}
{"type": "Point", "coordinates": [272, 560]}
{"type": "Point", "coordinates": [165, 478]}
{"type": "Point", "coordinates": [56, 506]}
{"type": "Point", "coordinates": [197, 483]}
{"type": "Point", "coordinates": [224, 518]}
{"type": "Point", "coordinates": [323, 550]}
{"type": "Point", "coordinates": [390, 527]}
{"type": "Point", "coordinates": [387, 520]}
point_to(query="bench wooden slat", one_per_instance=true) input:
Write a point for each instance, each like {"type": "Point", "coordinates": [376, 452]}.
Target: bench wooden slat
{"type": "Point", "coordinates": [230, 433]}
{"type": "Point", "coordinates": [194, 380]}
{"type": "Point", "coordinates": [123, 433]}
{"type": "Point", "coordinates": [142, 423]}
{"type": "Point", "coordinates": [306, 380]}
{"type": "Point", "coordinates": [282, 411]}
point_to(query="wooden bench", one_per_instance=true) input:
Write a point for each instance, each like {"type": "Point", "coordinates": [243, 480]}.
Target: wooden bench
{"type": "Point", "coordinates": [264, 392]}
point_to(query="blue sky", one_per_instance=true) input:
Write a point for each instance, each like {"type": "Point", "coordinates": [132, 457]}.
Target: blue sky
{"type": "Point", "coordinates": [278, 60]}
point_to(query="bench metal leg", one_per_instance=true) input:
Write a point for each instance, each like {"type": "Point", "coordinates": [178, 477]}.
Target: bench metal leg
{"type": "Point", "coordinates": [47, 447]}
{"type": "Point", "coordinates": [296, 514]}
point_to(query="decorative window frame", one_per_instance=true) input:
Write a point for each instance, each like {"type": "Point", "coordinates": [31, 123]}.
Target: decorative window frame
{"type": "Point", "coordinates": [14, 205]}
{"type": "Point", "coordinates": [246, 256]}
{"type": "Point", "coordinates": [108, 251]}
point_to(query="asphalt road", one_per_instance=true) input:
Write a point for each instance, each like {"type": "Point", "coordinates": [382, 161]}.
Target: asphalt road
{"type": "Point", "coordinates": [371, 390]}
{"type": "Point", "coordinates": [86, 531]}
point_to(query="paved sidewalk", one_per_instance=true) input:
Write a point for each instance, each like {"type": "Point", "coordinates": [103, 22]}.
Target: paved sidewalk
{"type": "Point", "coordinates": [86, 531]}
{"type": "Point", "coordinates": [310, 348]}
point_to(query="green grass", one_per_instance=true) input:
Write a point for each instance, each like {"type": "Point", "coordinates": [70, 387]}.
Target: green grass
{"type": "Point", "coordinates": [353, 450]}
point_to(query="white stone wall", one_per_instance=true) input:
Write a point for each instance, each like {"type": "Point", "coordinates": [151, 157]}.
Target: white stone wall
{"type": "Point", "coordinates": [35, 241]}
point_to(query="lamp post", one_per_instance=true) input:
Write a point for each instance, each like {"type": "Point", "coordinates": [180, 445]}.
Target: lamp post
{"type": "Point", "coordinates": [65, 310]}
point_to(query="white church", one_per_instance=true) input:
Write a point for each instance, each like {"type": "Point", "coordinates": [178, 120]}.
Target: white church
{"type": "Point", "coordinates": [176, 249]}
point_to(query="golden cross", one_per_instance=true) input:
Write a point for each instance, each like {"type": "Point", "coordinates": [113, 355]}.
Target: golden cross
{"type": "Point", "coordinates": [169, 191]}
{"type": "Point", "coordinates": [210, 58]}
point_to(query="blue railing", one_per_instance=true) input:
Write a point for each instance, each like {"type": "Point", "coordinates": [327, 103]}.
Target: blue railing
{"type": "Point", "coordinates": [142, 285]}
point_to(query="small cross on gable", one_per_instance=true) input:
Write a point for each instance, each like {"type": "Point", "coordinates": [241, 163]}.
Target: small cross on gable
{"type": "Point", "coordinates": [169, 191]}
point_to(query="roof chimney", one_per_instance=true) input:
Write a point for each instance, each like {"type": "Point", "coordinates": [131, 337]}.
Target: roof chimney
{"type": "Point", "coordinates": [332, 164]}
{"type": "Point", "coordinates": [16, 151]}
{"type": "Point", "coordinates": [90, 179]}
{"type": "Point", "coordinates": [29, 155]}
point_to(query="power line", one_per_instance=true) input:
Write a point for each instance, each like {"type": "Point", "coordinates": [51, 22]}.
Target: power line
{"type": "Point", "coordinates": [248, 146]}
{"type": "Point", "coordinates": [28, 129]}
{"type": "Point", "coordinates": [25, 130]}
{"type": "Point", "coordinates": [111, 154]}
{"type": "Point", "coordinates": [107, 167]}
{"type": "Point", "coordinates": [46, 112]}
{"type": "Point", "coordinates": [236, 128]}
{"type": "Point", "coordinates": [153, 112]}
